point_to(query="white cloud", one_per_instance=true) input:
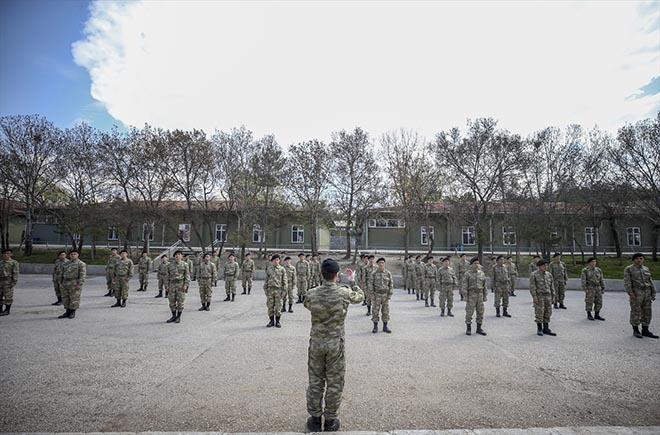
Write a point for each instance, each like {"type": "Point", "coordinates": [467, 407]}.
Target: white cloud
{"type": "Point", "coordinates": [302, 70]}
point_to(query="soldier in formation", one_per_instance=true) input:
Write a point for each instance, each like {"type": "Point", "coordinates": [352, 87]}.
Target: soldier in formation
{"type": "Point", "coordinates": [474, 289]}
{"type": "Point", "coordinates": [446, 281]}
{"type": "Point", "coordinates": [196, 261]}
{"type": "Point", "coordinates": [122, 273]}
{"type": "Point", "coordinates": [276, 282]}
{"type": "Point", "coordinates": [513, 273]}
{"type": "Point", "coordinates": [361, 275]}
{"type": "Point", "coordinates": [429, 281]}
{"type": "Point", "coordinates": [533, 266]}
{"type": "Point", "coordinates": [316, 271]}
{"type": "Point", "coordinates": [109, 271]}
{"type": "Point", "coordinates": [144, 266]}
{"type": "Point", "coordinates": [501, 286]}
{"type": "Point", "coordinates": [326, 367]}
{"type": "Point", "coordinates": [560, 277]}
{"type": "Point", "coordinates": [248, 273]}
{"type": "Point", "coordinates": [178, 280]}
{"type": "Point", "coordinates": [461, 268]}
{"type": "Point", "coordinates": [57, 276]}
{"type": "Point", "coordinates": [381, 289]}
{"type": "Point", "coordinates": [593, 286]}
{"type": "Point", "coordinates": [191, 265]}
{"type": "Point", "coordinates": [215, 259]}
{"type": "Point", "coordinates": [8, 279]}
{"type": "Point", "coordinates": [410, 274]}
{"type": "Point", "coordinates": [163, 276]}
{"type": "Point", "coordinates": [230, 273]}
{"type": "Point", "coordinates": [287, 293]}
{"type": "Point", "coordinates": [302, 277]}
{"type": "Point", "coordinates": [541, 286]}
{"type": "Point", "coordinates": [419, 277]}
{"type": "Point", "coordinates": [641, 292]}
{"type": "Point", "coordinates": [73, 275]}
{"type": "Point", "coordinates": [404, 274]}
{"type": "Point", "coordinates": [207, 274]}
{"type": "Point", "coordinates": [368, 271]}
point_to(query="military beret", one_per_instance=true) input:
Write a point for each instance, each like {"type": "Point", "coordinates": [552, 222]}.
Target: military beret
{"type": "Point", "coordinates": [362, 255]}
{"type": "Point", "coordinates": [301, 255]}
{"type": "Point", "coordinates": [557, 254]}
{"type": "Point", "coordinates": [446, 259]}
{"type": "Point", "coordinates": [380, 259]}
{"type": "Point", "coordinates": [542, 263]}
{"type": "Point", "coordinates": [429, 257]}
{"type": "Point", "coordinates": [247, 255]}
{"type": "Point", "coordinates": [462, 255]}
{"type": "Point", "coordinates": [370, 256]}
{"type": "Point", "coordinates": [418, 257]}
{"type": "Point", "coordinates": [590, 260]}
{"type": "Point", "coordinates": [329, 266]}
{"type": "Point", "coordinates": [276, 256]}
{"type": "Point", "coordinates": [287, 258]}
{"type": "Point", "coordinates": [207, 255]}
{"type": "Point", "coordinates": [508, 256]}
{"type": "Point", "coordinates": [500, 256]}
{"type": "Point", "coordinates": [473, 260]}
{"type": "Point", "coordinates": [537, 256]}
{"type": "Point", "coordinates": [231, 254]}
{"type": "Point", "coordinates": [637, 255]}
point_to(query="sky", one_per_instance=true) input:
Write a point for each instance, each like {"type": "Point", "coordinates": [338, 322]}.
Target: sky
{"type": "Point", "coordinates": [302, 70]}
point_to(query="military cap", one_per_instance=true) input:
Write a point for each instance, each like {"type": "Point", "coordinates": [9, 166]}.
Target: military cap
{"type": "Point", "coordinates": [207, 255]}
{"type": "Point", "coordinates": [247, 255]}
{"type": "Point", "coordinates": [429, 257]}
{"type": "Point", "coordinates": [287, 258]}
{"type": "Point", "coordinates": [557, 254]}
{"type": "Point", "coordinates": [418, 257]}
{"type": "Point", "coordinates": [542, 263]}
{"type": "Point", "coordinates": [362, 255]}
{"type": "Point", "coordinates": [590, 260]}
{"type": "Point", "coordinates": [231, 254]}
{"type": "Point", "coordinates": [370, 256]}
{"type": "Point", "coordinates": [637, 255]}
{"type": "Point", "coordinates": [329, 266]}
{"type": "Point", "coordinates": [473, 260]}
{"type": "Point", "coordinates": [445, 259]}
{"type": "Point", "coordinates": [275, 256]}
{"type": "Point", "coordinates": [500, 256]}
{"type": "Point", "coordinates": [301, 255]}
{"type": "Point", "coordinates": [537, 256]}
{"type": "Point", "coordinates": [380, 259]}
{"type": "Point", "coordinates": [462, 255]}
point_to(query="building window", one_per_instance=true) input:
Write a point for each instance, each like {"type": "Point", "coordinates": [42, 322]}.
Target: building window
{"type": "Point", "coordinates": [634, 236]}
{"type": "Point", "coordinates": [425, 235]}
{"type": "Point", "coordinates": [591, 236]}
{"type": "Point", "coordinates": [467, 235]}
{"type": "Point", "coordinates": [146, 233]}
{"type": "Point", "coordinates": [257, 234]}
{"type": "Point", "coordinates": [221, 232]}
{"type": "Point", "coordinates": [184, 232]}
{"type": "Point", "coordinates": [297, 234]}
{"type": "Point", "coordinates": [113, 234]}
{"type": "Point", "coordinates": [386, 223]}
{"type": "Point", "coordinates": [508, 236]}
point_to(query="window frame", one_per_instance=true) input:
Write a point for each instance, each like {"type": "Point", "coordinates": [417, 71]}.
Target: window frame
{"type": "Point", "coordinates": [469, 231]}
{"type": "Point", "coordinates": [594, 231]}
{"type": "Point", "coordinates": [182, 233]}
{"type": "Point", "coordinates": [299, 230]}
{"type": "Point", "coordinates": [634, 233]}
{"type": "Point", "coordinates": [256, 230]}
{"type": "Point", "coordinates": [506, 237]}
{"type": "Point", "coordinates": [222, 229]}
{"type": "Point", "coordinates": [112, 230]}
{"type": "Point", "coordinates": [423, 233]}
{"type": "Point", "coordinates": [153, 231]}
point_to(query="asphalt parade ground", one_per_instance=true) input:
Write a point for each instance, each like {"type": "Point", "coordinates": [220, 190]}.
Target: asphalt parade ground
{"type": "Point", "coordinates": [126, 370]}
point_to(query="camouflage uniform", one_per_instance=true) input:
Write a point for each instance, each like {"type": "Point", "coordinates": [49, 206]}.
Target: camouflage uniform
{"type": "Point", "coordinates": [57, 276]}
{"type": "Point", "coordinates": [542, 288]}
{"type": "Point", "coordinates": [110, 271]}
{"type": "Point", "coordinates": [207, 274]}
{"type": "Point", "coordinates": [73, 277]}
{"type": "Point", "coordinates": [410, 274]}
{"type": "Point", "coordinates": [8, 279]}
{"type": "Point", "coordinates": [316, 273]}
{"type": "Point", "coordinates": [216, 262]}
{"type": "Point", "coordinates": [144, 266]}
{"type": "Point", "coordinates": [328, 305]}
{"type": "Point", "coordinates": [196, 261]}
{"type": "Point", "coordinates": [429, 282]}
{"type": "Point", "coordinates": [532, 268]}
{"type": "Point", "coordinates": [230, 273]}
{"type": "Point", "coordinates": [419, 279]}
{"type": "Point", "coordinates": [446, 280]}
{"type": "Point", "coordinates": [178, 274]}
{"type": "Point", "coordinates": [474, 287]}
{"type": "Point", "coordinates": [593, 286]}
{"type": "Point", "coordinates": [461, 268]}
{"type": "Point", "coordinates": [191, 267]}
{"type": "Point", "coordinates": [559, 276]}
{"type": "Point", "coordinates": [123, 273]}
{"type": "Point", "coordinates": [513, 275]}
{"type": "Point", "coordinates": [302, 278]}
{"type": "Point", "coordinates": [501, 285]}
{"type": "Point", "coordinates": [163, 276]}
{"type": "Point", "coordinates": [287, 293]}
{"type": "Point", "coordinates": [276, 281]}
{"type": "Point", "coordinates": [404, 275]}
{"type": "Point", "coordinates": [248, 271]}
{"type": "Point", "coordinates": [638, 283]}
{"type": "Point", "coordinates": [369, 270]}
{"type": "Point", "coordinates": [381, 289]}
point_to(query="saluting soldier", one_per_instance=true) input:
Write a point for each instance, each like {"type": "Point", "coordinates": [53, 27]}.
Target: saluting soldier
{"type": "Point", "coordinates": [381, 289]}
{"type": "Point", "coordinates": [123, 272]}
{"type": "Point", "coordinates": [542, 288]}
{"type": "Point", "coordinates": [641, 292]}
{"type": "Point", "coordinates": [57, 276]}
{"type": "Point", "coordinates": [74, 273]}
{"type": "Point", "coordinates": [560, 277]}
{"type": "Point", "coordinates": [594, 287]}
{"type": "Point", "coordinates": [248, 272]}
{"type": "Point", "coordinates": [178, 281]}
{"type": "Point", "coordinates": [276, 281]}
{"type": "Point", "coordinates": [110, 271]}
{"type": "Point", "coordinates": [474, 288]}
{"type": "Point", "coordinates": [230, 274]}
{"type": "Point", "coordinates": [501, 286]}
{"type": "Point", "coordinates": [287, 293]}
{"type": "Point", "coordinates": [8, 279]}
{"type": "Point", "coordinates": [144, 267]}
{"type": "Point", "coordinates": [446, 281]}
{"type": "Point", "coordinates": [206, 275]}
{"type": "Point", "coordinates": [163, 276]}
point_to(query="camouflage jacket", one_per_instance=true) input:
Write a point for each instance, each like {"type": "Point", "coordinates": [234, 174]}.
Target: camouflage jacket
{"type": "Point", "coordinates": [124, 268]}
{"type": "Point", "coordinates": [541, 283]}
{"type": "Point", "coordinates": [592, 278]}
{"type": "Point", "coordinates": [532, 268]}
{"type": "Point", "coordinates": [512, 269]}
{"type": "Point", "coordinates": [462, 267]}
{"type": "Point", "coordinates": [302, 269]}
{"type": "Point", "coordinates": [248, 266]}
{"type": "Point", "coordinates": [207, 270]}
{"type": "Point", "coordinates": [369, 270]}
{"type": "Point", "coordinates": [446, 275]}
{"type": "Point", "coordinates": [178, 272]}
{"type": "Point", "coordinates": [276, 278]}
{"type": "Point", "coordinates": [419, 270]}
{"type": "Point", "coordinates": [231, 270]}
{"type": "Point", "coordinates": [429, 272]}
{"type": "Point", "coordinates": [290, 276]}
{"type": "Point", "coordinates": [501, 274]}
{"type": "Point", "coordinates": [112, 261]}
{"type": "Point", "coordinates": [75, 271]}
{"type": "Point", "coordinates": [216, 261]}
{"type": "Point", "coordinates": [381, 283]}
{"type": "Point", "coordinates": [474, 281]}
{"type": "Point", "coordinates": [162, 270]}
{"type": "Point", "coordinates": [558, 271]}
{"type": "Point", "coordinates": [58, 268]}
{"type": "Point", "coordinates": [328, 304]}
{"type": "Point", "coordinates": [144, 265]}
{"type": "Point", "coordinates": [638, 278]}
{"type": "Point", "coordinates": [9, 271]}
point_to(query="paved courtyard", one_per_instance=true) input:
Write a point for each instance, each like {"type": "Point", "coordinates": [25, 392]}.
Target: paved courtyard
{"type": "Point", "coordinates": [127, 370]}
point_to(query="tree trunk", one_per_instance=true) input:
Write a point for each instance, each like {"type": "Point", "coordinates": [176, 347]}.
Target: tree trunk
{"type": "Point", "coordinates": [654, 240]}
{"type": "Point", "coordinates": [27, 235]}
{"type": "Point", "coordinates": [314, 242]}
{"type": "Point", "coordinates": [348, 242]}
{"type": "Point", "coordinates": [615, 237]}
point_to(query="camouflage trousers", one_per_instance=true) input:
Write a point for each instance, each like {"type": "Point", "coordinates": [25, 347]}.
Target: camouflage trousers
{"type": "Point", "coordinates": [58, 289]}
{"type": "Point", "coordinates": [230, 285]}
{"type": "Point", "coordinates": [502, 291]}
{"type": "Point", "coordinates": [419, 284]}
{"type": "Point", "coordinates": [367, 295]}
{"type": "Point", "coordinates": [144, 279]}
{"type": "Point", "coordinates": [380, 305]}
{"type": "Point", "coordinates": [326, 367]}
{"type": "Point", "coordinates": [121, 287]}
{"type": "Point", "coordinates": [429, 288]}
{"type": "Point", "coordinates": [460, 285]}
{"type": "Point", "coordinates": [177, 296]}
{"type": "Point", "coordinates": [108, 280]}
{"type": "Point", "coordinates": [446, 296]}
{"type": "Point", "coordinates": [247, 280]}
{"type": "Point", "coordinates": [301, 285]}
{"type": "Point", "coordinates": [205, 290]}
{"type": "Point", "coordinates": [543, 308]}
{"type": "Point", "coordinates": [71, 295]}
{"type": "Point", "coordinates": [560, 288]}
{"type": "Point", "coordinates": [6, 292]}
{"type": "Point", "coordinates": [593, 299]}
{"type": "Point", "coordinates": [410, 282]}
{"type": "Point", "coordinates": [273, 301]}
{"type": "Point", "coordinates": [287, 295]}
{"type": "Point", "coordinates": [162, 284]}
{"type": "Point", "coordinates": [404, 278]}
{"type": "Point", "coordinates": [475, 302]}
{"type": "Point", "coordinates": [640, 308]}
{"type": "Point", "coordinates": [512, 286]}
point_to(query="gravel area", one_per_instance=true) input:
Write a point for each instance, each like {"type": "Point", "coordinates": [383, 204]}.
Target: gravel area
{"type": "Point", "coordinates": [116, 370]}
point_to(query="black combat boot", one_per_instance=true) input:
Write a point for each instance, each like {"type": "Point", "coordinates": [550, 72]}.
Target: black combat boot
{"type": "Point", "coordinates": [505, 312]}
{"type": "Point", "coordinates": [408, 291]}
{"type": "Point", "coordinates": [145, 287]}
{"type": "Point", "coordinates": [173, 318]}
{"type": "Point", "coordinates": [555, 306]}
{"type": "Point", "coordinates": [597, 316]}
{"type": "Point", "coordinates": [160, 294]}
{"type": "Point", "coordinates": [72, 314]}
{"type": "Point", "coordinates": [208, 306]}
{"type": "Point", "coordinates": [140, 289]}
{"type": "Point", "coordinates": [123, 303]}
{"type": "Point", "coordinates": [413, 291]}
{"type": "Point", "coordinates": [562, 306]}
{"type": "Point", "coordinates": [249, 290]}
{"type": "Point", "coordinates": [417, 296]}
{"type": "Point", "coordinates": [314, 424]}
{"type": "Point", "coordinates": [386, 329]}
{"type": "Point", "coordinates": [368, 310]}
{"type": "Point", "coordinates": [203, 307]}
{"type": "Point", "coordinates": [65, 315]}
{"type": "Point", "coordinates": [469, 329]}
{"type": "Point", "coordinates": [233, 297]}
{"type": "Point", "coordinates": [589, 316]}
{"type": "Point", "coordinates": [433, 303]}
{"type": "Point", "coordinates": [461, 297]}
{"type": "Point", "coordinates": [647, 333]}
{"type": "Point", "coordinates": [479, 330]}
{"type": "Point", "coordinates": [449, 312]}
{"type": "Point", "coordinates": [291, 308]}
{"type": "Point", "coordinates": [539, 329]}
{"type": "Point", "coordinates": [244, 291]}
{"type": "Point", "coordinates": [228, 298]}
{"type": "Point", "coordinates": [277, 322]}
{"type": "Point", "coordinates": [57, 302]}
{"type": "Point", "coordinates": [271, 323]}
{"type": "Point", "coordinates": [364, 302]}
{"type": "Point", "coordinates": [109, 293]}
{"type": "Point", "coordinates": [442, 312]}
{"type": "Point", "coordinates": [299, 301]}
{"type": "Point", "coordinates": [513, 294]}
{"type": "Point", "coordinates": [331, 425]}
{"type": "Point", "coordinates": [117, 304]}
{"type": "Point", "coordinates": [375, 330]}
{"type": "Point", "coordinates": [426, 302]}
{"type": "Point", "coordinates": [283, 310]}
{"type": "Point", "coordinates": [636, 332]}
{"type": "Point", "coordinates": [497, 312]}
{"type": "Point", "coordinates": [178, 316]}
{"type": "Point", "coordinates": [547, 331]}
